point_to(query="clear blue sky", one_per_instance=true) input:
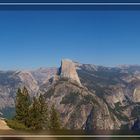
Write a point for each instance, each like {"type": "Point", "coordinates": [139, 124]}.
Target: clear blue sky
{"type": "Point", "coordinates": [32, 39]}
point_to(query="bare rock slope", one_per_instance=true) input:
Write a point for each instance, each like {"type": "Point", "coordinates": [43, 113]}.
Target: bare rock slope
{"type": "Point", "coordinates": [3, 125]}
{"type": "Point", "coordinates": [79, 108]}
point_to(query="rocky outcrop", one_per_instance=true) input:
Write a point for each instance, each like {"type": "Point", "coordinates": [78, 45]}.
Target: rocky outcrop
{"type": "Point", "coordinates": [68, 70]}
{"type": "Point", "coordinates": [29, 82]}
{"type": "Point", "coordinates": [3, 125]}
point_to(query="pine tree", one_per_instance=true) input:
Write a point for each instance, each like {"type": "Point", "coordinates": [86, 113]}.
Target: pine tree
{"type": "Point", "coordinates": [22, 105]}
{"type": "Point", "coordinates": [39, 114]}
{"type": "Point", "coordinates": [44, 120]}
{"type": "Point", "coordinates": [35, 115]}
{"type": "Point", "coordinates": [54, 119]}
{"type": "Point", "coordinates": [18, 105]}
{"type": "Point", "coordinates": [26, 99]}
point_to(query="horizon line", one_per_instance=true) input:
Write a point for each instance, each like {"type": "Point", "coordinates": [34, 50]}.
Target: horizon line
{"type": "Point", "coordinates": [47, 67]}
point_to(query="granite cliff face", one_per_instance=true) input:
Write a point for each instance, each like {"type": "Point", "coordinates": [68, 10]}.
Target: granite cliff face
{"type": "Point", "coordinates": [28, 81]}
{"type": "Point", "coordinates": [68, 70]}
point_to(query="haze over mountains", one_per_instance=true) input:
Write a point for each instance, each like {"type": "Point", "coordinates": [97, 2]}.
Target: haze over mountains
{"type": "Point", "coordinates": [87, 96]}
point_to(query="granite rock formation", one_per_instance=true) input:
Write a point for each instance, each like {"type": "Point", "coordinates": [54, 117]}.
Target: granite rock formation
{"type": "Point", "coordinates": [68, 70]}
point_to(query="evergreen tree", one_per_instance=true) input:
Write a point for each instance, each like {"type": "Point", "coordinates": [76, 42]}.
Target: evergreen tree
{"type": "Point", "coordinates": [54, 119]}
{"type": "Point", "coordinates": [44, 120]}
{"type": "Point", "coordinates": [22, 105]}
{"type": "Point", "coordinates": [26, 99]}
{"type": "Point", "coordinates": [18, 105]}
{"type": "Point", "coordinates": [35, 115]}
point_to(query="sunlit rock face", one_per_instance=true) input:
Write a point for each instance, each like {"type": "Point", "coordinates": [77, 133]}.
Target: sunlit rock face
{"type": "Point", "coordinates": [29, 82]}
{"type": "Point", "coordinates": [68, 70]}
{"type": "Point", "coordinates": [42, 75]}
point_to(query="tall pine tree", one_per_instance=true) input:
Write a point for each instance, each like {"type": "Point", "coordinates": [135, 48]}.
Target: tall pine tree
{"type": "Point", "coordinates": [22, 105]}
{"type": "Point", "coordinates": [44, 120]}
{"type": "Point", "coordinates": [18, 105]}
{"type": "Point", "coordinates": [54, 119]}
{"type": "Point", "coordinates": [35, 115]}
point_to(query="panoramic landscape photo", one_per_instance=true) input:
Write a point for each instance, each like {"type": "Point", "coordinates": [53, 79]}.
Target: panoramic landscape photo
{"type": "Point", "coordinates": [70, 70]}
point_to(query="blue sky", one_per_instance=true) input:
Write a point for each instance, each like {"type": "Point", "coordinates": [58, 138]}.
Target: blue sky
{"type": "Point", "coordinates": [32, 39]}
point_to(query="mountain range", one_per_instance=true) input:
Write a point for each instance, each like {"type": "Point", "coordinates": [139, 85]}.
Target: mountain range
{"type": "Point", "coordinates": [87, 96]}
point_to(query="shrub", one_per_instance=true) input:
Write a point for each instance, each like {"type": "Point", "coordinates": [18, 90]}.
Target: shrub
{"type": "Point", "coordinates": [14, 124]}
